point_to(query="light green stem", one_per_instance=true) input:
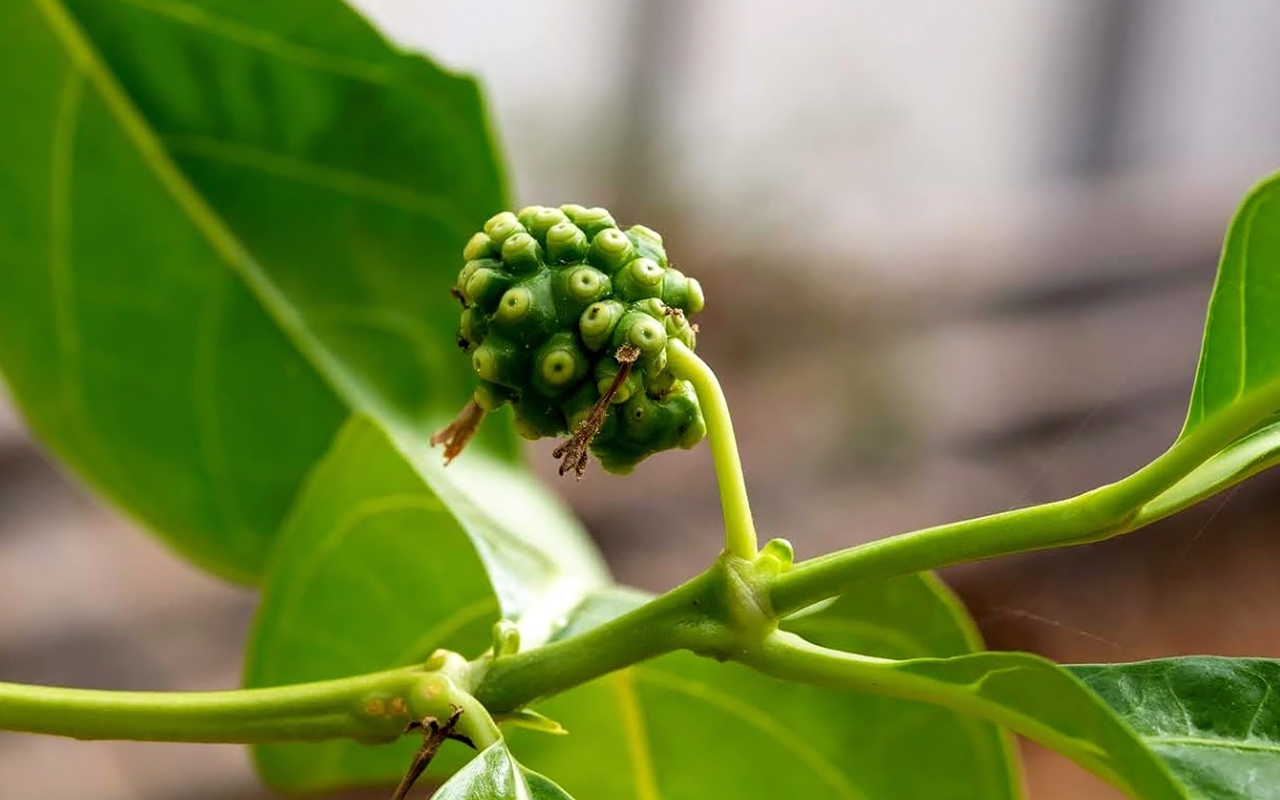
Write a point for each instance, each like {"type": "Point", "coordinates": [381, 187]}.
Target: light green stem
{"type": "Point", "coordinates": [739, 530]}
{"type": "Point", "coordinates": [371, 708]}
{"type": "Point", "coordinates": [1099, 514]}
{"type": "Point", "coordinates": [793, 658]}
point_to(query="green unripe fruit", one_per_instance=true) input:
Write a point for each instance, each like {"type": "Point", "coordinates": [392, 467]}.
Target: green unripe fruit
{"type": "Point", "coordinates": [559, 365]}
{"type": "Point", "coordinates": [498, 360]}
{"type": "Point", "coordinates": [551, 297]}
{"type": "Point", "coordinates": [606, 372]}
{"type": "Point", "coordinates": [479, 246]}
{"type": "Point", "coordinates": [639, 279]}
{"type": "Point", "coordinates": [566, 243]}
{"type": "Point", "coordinates": [598, 323]}
{"type": "Point", "coordinates": [485, 288]}
{"type": "Point", "coordinates": [590, 220]}
{"type": "Point", "coordinates": [491, 396]}
{"type": "Point", "coordinates": [577, 286]}
{"type": "Point", "coordinates": [526, 313]}
{"type": "Point", "coordinates": [610, 249]}
{"type": "Point", "coordinates": [521, 253]}
{"type": "Point", "coordinates": [500, 226]}
{"type": "Point", "coordinates": [641, 330]}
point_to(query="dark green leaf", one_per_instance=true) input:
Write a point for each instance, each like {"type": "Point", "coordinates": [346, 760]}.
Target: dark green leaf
{"type": "Point", "coordinates": [687, 727]}
{"type": "Point", "coordinates": [226, 226]}
{"type": "Point", "coordinates": [495, 775]}
{"type": "Point", "coordinates": [1215, 721]}
{"type": "Point", "coordinates": [380, 563]}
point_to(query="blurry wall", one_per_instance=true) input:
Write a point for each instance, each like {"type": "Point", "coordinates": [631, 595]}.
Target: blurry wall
{"type": "Point", "coordinates": [956, 257]}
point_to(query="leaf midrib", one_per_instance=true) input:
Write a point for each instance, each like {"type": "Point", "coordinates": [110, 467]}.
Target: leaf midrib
{"type": "Point", "coordinates": [1222, 744]}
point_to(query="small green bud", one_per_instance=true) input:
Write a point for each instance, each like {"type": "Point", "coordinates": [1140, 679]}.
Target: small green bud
{"type": "Point", "coordinates": [598, 323]}
{"type": "Point", "coordinates": [506, 638]}
{"type": "Point", "coordinates": [498, 360]}
{"type": "Point", "coordinates": [780, 552]}
{"type": "Point", "coordinates": [527, 313]}
{"type": "Point", "coordinates": [572, 210]}
{"type": "Point", "coordinates": [525, 215]}
{"type": "Point", "coordinates": [500, 226]}
{"type": "Point", "coordinates": [559, 364]}
{"type": "Point", "coordinates": [591, 220]}
{"type": "Point", "coordinates": [639, 279]}
{"type": "Point", "coordinates": [610, 249]}
{"type": "Point", "coordinates": [542, 220]}
{"type": "Point", "coordinates": [566, 243]}
{"type": "Point", "coordinates": [577, 286]}
{"type": "Point", "coordinates": [607, 370]}
{"type": "Point", "coordinates": [648, 243]}
{"type": "Point", "coordinates": [479, 246]}
{"type": "Point", "coordinates": [521, 253]}
{"type": "Point", "coordinates": [491, 396]}
{"type": "Point", "coordinates": [486, 286]}
{"type": "Point", "coordinates": [641, 330]}
{"type": "Point", "coordinates": [469, 269]}
{"type": "Point", "coordinates": [675, 289]}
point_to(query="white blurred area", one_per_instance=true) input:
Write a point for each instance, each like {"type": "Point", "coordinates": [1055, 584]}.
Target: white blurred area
{"type": "Point", "coordinates": [956, 254]}
{"type": "Point", "coordinates": [864, 126]}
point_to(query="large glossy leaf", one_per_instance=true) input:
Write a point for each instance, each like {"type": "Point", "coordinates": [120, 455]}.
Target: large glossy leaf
{"type": "Point", "coordinates": [1215, 721]}
{"type": "Point", "coordinates": [686, 727]}
{"type": "Point", "coordinates": [381, 563]}
{"type": "Point", "coordinates": [495, 775]}
{"type": "Point", "coordinates": [226, 225]}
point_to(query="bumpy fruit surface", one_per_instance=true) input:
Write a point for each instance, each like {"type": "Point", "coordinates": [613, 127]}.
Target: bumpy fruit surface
{"type": "Point", "coordinates": [550, 296]}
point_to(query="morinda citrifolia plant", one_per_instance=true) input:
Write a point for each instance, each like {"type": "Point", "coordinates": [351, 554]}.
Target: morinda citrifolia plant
{"type": "Point", "coordinates": [231, 239]}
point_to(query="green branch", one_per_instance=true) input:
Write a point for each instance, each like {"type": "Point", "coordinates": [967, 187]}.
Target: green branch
{"type": "Point", "coordinates": [1093, 516]}
{"type": "Point", "coordinates": [369, 708]}
{"type": "Point", "coordinates": [789, 657]}
{"type": "Point", "coordinates": [739, 530]}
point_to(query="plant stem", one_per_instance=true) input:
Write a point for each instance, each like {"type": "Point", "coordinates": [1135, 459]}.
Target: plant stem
{"type": "Point", "coordinates": [363, 708]}
{"type": "Point", "coordinates": [739, 530]}
{"type": "Point", "coordinates": [790, 657]}
{"type": "Point", "coordinates": [679, 619]}
{"type": "Point", "coordinates": [1093, 516]}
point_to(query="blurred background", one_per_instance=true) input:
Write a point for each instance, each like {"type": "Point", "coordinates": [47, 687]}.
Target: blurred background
{"type": "Point", "coordinates": [956, 257]}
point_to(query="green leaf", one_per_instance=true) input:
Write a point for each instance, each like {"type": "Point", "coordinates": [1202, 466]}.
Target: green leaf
{"type": "Point", "coordinates": [1245, 458]}
{"type": "Point", "coordinates": [381, 562]}
{"type": "Point", "coordinates": [687, 727]}
{"type": "Point", "coordinates": [1239, 360]}
{"type": "Point", "coordinates": [1239, 354]}
{"type": "Point", "coordinates": [1215, 721]}
{"type": "Point", "coordinates": [495, 775]}
{"type": "Point", "coordinates": [226, 226]}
